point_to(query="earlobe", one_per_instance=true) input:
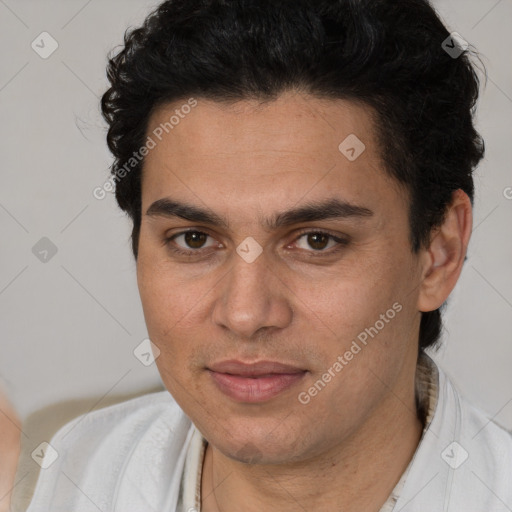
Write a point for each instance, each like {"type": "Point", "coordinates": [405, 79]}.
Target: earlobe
{"type": "Point", "coordinates": [444, 257]}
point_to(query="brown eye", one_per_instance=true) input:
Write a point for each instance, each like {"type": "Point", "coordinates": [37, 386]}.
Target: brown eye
{"type": "Point", "coordinates": [318, 240]}
{"type": "Point", "coordinates": [195, 239]}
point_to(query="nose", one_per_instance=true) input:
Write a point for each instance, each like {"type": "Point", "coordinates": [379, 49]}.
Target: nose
{"type": "Point", "coordinates": [252, 296]}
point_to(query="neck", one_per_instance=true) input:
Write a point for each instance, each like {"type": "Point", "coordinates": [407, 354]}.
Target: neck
{"type": "Point", "coordinates": [358, 474]}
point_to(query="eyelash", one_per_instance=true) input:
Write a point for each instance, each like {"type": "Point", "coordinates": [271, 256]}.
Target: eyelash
{"type": "Point", "coordinates": [340, 241]}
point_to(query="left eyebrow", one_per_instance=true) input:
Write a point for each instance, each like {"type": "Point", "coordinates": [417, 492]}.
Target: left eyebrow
{"type": "Point", "coordinates": [309, 212]}
{"type": "Point", "coordinates": [316, 211]}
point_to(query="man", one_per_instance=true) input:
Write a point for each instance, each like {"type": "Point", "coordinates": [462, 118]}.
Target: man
{"type": "Point", "coordinates": [299, 177]}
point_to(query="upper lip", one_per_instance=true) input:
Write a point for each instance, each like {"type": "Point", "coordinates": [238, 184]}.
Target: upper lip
{"type": "Point", "coordinates": [253, 369]}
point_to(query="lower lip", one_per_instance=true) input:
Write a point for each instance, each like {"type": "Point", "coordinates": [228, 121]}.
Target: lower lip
{"type": "Point", "coordinates": [258, 389]}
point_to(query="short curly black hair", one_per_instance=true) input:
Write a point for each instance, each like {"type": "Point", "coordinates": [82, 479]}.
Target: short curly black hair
{"type": "Point", "coordinates": [395, 56]}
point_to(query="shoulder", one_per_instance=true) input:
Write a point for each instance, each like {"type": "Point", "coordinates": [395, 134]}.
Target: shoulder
{"type": "Point", "coordinates": [131, 415]}
{"type": "Point", "coordinates": [488, 442]}
{"type": "Point", "coordinates": [484, 443]}
{"type": "Point", "coordinates": [464, 459]}
{"type": "Point", "coordinates": [121, 421]}
{"type": "Point", "coordinates": [481, 469]}
{"type": "Point", "coordinates": [100, 453]}
{"type": "Point", "coordinates": [476, 426]}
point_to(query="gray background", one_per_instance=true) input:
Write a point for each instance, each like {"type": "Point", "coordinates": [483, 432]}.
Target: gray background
{"type": "Point", "coordinates": [69, 325]}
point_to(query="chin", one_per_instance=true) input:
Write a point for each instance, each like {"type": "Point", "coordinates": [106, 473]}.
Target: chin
{"type": "Point", "coordinates": [266, 445]}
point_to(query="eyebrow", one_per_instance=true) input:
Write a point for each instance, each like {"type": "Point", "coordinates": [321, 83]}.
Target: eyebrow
{"type": "Point", "coordinates": [309, 212]}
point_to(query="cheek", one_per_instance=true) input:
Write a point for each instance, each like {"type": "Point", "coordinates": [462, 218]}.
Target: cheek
{"type": "Point", "coordinates": [363, 316]}
{"type": "Point", "coordinates": [166, 301]}
{"type": "Point", "coordinates": [350, 297]}
{"type": "Point", "coordinates": [168, 308]}
{"type": "Point", "coordinates": [360, 352]}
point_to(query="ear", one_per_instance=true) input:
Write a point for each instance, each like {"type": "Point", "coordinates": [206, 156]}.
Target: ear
{"type": "Point", "coordinates": [443, 259]}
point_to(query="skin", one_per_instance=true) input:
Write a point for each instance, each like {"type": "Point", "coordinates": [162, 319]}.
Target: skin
{"type": "Point", "coordinates": [347, 448]}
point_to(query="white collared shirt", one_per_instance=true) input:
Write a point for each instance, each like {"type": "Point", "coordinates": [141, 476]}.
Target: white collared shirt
{"type": "Point", "coordinates": [131, 457]}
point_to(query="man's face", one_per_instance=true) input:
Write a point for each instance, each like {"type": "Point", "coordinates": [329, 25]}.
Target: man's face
{"type": "Point", "coordinates": [304, 300]}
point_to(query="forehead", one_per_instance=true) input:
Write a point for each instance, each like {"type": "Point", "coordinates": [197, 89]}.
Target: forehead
{"type": "Point", "coordinates": [255, 154]}
{"type": "Point", "coordinates": [293, 122]}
